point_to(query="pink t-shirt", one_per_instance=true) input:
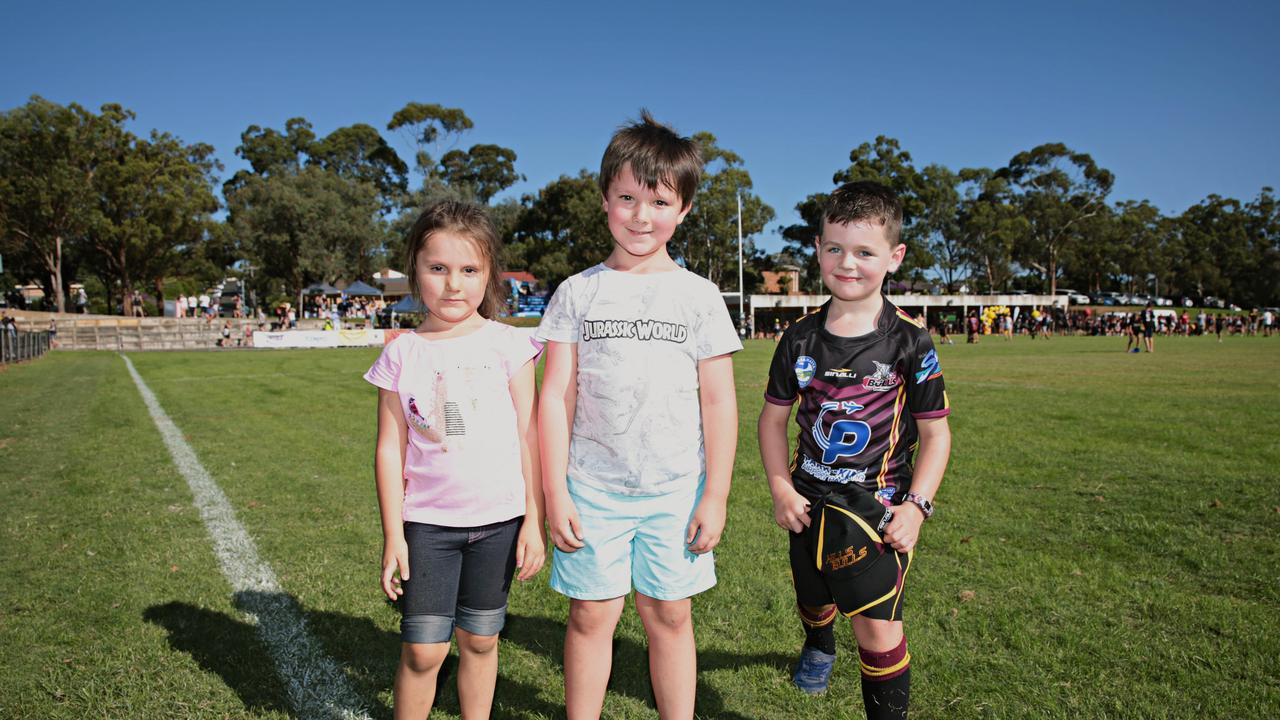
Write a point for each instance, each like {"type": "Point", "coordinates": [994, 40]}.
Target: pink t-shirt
{"type": "Point", "coordinates": [462, 464]}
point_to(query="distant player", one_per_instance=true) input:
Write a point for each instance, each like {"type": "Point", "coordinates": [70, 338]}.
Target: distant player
{"type": "Point", "coordinates": [869, 386]}
{"type": "Point", "coordinates": [1149, 326]}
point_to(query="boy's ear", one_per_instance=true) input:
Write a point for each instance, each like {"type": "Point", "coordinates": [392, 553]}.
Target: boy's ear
{"type": "Point", "coordinates": [897, 256]}
{"type": "Point", "coordinates": [604, 203]}
{"type": "Point", "coordinates": [685, 211]}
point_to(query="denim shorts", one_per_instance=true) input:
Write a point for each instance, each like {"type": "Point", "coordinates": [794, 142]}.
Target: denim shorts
{"type": "Point", "coordinates": [457, 576]}
{"type": "Point", "coordinates": [632, 540]}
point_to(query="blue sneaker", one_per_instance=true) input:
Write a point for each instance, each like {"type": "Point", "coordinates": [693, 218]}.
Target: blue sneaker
{"type": "Point", "coordinates": [813, 671]}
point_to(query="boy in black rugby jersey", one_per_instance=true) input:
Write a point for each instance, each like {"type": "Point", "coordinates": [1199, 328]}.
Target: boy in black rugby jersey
{"type": "Point", "coordinates": [871, 395]}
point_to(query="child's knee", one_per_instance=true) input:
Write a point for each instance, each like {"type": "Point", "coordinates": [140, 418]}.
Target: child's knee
{"type": "Point", "coordinates": [475, 644]}
{"type": "Point", "coordinates": [877, 635]}
{"type": "Point", "coordinates": [588, 617]}
{"type": "Point", "coordinates": [669, 615]}
{"type": "Point", "coordinates": [423, 657]}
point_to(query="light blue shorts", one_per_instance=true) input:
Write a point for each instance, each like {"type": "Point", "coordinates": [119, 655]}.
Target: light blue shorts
{"type": "Point", "coordinates": [632, 540]}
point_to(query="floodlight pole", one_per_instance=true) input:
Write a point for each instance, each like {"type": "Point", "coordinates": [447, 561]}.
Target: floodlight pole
{"type": "Point", "coordinates": [742, 300]}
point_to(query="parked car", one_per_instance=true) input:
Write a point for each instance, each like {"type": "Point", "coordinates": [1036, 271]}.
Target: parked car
{"type": "Point", "coordinates": [1073, 297]}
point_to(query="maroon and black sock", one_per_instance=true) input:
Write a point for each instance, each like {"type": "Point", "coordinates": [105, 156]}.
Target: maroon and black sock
{"type": "Point", "coordinates": [818, 627]}
{"type": "Point", "coordinates": [886, 682]}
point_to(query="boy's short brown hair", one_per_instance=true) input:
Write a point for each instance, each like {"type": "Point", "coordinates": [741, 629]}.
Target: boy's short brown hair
{"type": "Point", "coordinates": [866, 201]}
{"type": "Point", "coordinates": [656, 154]}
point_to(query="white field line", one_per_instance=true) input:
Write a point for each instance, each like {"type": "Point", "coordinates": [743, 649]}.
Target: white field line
{"type": "Point", "coordinates": [316, 686]}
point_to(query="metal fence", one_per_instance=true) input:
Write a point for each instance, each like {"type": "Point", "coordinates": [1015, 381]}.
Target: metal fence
{"type": "Point", "coordinates": [19, 346]}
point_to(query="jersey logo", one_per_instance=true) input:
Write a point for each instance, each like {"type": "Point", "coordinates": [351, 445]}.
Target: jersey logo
{"type": "Point", "coordinates": [884, 379]}
{"type": "Point", "coordinates": [805, 367]}
{"type": "Point", "coordinates": [840, 373]}
{"type": "Point", "coordinates": [929, 367]}
{"type": "Point", "coordinates": [846, 438]}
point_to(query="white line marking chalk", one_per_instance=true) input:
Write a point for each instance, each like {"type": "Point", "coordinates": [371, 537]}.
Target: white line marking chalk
{"type": "Point", "coordinates": [316, 685]}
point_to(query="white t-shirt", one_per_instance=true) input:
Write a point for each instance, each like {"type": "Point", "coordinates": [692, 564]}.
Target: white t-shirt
{"type": "Point", "coordinates": [637, 427]}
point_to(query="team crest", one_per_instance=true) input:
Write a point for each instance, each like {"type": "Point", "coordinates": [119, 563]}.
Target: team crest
{"type": "Point", "coordinates": [883, 379]}
{"type": "Point", "coordinates": [805, 368]}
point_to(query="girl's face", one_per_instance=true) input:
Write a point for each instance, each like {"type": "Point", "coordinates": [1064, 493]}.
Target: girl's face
{"type": "Point", "coordinates": [452, 279]}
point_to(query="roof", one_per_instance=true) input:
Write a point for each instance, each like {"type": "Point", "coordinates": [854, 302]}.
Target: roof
{"type": "Point", "coordinates": [519, 276]}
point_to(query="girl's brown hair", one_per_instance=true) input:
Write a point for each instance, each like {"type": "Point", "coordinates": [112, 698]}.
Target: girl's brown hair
{"type": "Point", "coordinates": [471, 222]}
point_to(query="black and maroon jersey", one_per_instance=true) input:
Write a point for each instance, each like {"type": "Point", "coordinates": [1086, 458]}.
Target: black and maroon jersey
{"type": "Point", "coordinates": [860, 398]}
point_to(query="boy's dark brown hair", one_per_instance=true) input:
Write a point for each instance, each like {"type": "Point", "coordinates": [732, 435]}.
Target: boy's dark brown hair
{"type": "Point", "coordinates": [471, 222]}
{"type": "Point", "coordinates": [866, 201]}
{"type": "Point", "coordinates": [656, 154]}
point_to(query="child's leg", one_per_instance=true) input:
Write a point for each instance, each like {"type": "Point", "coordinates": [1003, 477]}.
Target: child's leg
{"type": "Point", "coordinates": [886, 667]}
{"type": "Point", "coordinates": [488, 564]}
{"type": "Point", "coordinates": [673, 655]}
{"type": "Point", "coordinates": [415, 687]}
{"type": "Point", "coordinates": [588, 655]}
{"type": "Point", "coordinates": [477, 673]}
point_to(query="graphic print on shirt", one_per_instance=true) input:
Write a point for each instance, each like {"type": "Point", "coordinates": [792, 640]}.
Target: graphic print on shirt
{"type": "Point", "coordinates": [845, 437]}
{"type": "Point", "coordinates": [929, 368]}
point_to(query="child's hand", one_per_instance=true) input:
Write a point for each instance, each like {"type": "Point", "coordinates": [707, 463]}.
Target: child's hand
{"type": "Point", "coordinates": [706, 526]}
{"type": "Point", "coordinates": [395, 556]}
{"type": "Point", "coordinates": [790, 510]}
{"type": "Point", "coordinates": [904, 529]}
{"type": "Point", "coordinates": [566, 528]}
{"type": "Point", "coordinates": [531, 550]}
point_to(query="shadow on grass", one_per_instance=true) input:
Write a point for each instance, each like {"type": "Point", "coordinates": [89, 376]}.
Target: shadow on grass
{"type": "Point", "coordinates": [630, 675]}
{"type": "Point", "coordinates": [225, 646]}
{"type": "Point", "coordinates": [368, 655]}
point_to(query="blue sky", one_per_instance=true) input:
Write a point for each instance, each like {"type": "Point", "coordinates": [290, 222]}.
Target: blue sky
{"type": "Point", "coordinates": [1178, 99]}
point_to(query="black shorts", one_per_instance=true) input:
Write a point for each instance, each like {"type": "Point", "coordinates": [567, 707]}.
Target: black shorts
{"type": "Point", "coordinates": [458, 576]}
{"type": "Point", "coordinates": [812, 589]}
{"type": "Point", "coordinates": [1148, 331]}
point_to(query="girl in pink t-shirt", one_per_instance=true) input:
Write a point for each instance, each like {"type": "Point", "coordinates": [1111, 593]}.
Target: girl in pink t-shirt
{"type": "Point", "coordinates": [456, 462]}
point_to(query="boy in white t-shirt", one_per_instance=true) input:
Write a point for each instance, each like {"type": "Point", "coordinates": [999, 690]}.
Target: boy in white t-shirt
{"type": "Point", "coordinates": [639, 424]}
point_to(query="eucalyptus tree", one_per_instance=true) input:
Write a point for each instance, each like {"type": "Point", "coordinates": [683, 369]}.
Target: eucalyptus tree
{"type": "Point", "coordinates": [155, 204]}
{"type": "Point", "coordinates": [359, 152]}
{"type": "Point", "coordinates": [48, 156]}
{"type": "Point", "coordinates": [707, 240]}
{"type": "Point", "coordinates": [308, 226]}
{"type": "Point", "coordinates": [562, 229]}
{"type": "Point", "coordinates": [988, 224]}
{"type": "Point", "coordinates": [1056, 190]}
{"type": "Point", "coordinates": [482, 171]}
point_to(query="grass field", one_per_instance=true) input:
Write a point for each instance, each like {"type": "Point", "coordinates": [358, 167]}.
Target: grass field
{"type": "Point", "coordinates": [1107, 543]}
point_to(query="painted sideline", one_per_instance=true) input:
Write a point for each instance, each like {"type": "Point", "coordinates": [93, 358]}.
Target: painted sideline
{"type": "Point", "coordinates": [316, 685]}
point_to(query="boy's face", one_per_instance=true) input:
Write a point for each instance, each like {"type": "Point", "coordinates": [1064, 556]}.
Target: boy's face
{"type": "Point", "coordinates": [641, 220]}
{"type": "Point", "coordinates": [855, 257]}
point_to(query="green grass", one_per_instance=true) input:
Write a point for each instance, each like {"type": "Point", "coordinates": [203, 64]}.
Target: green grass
{"type": "Point", "coordinates": [1106, 543]}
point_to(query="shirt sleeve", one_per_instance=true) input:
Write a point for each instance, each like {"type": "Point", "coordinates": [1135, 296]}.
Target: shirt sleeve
{"type": "Point", "coordinates": [560, 323]}
{"type": "Point", "coordinates": [926, 391]}
{"type": "Point", "coordinates": [519, 347]}
{"type": "Point", "coordinates": [385, 372]}
{"type": "Point", "coordinates": [714, 333]}
{"type": "Point", "coordinates": [783, 386]}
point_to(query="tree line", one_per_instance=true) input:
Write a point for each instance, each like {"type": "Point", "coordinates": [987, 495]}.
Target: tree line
{"type": "Point", "coordinates": [84, 199]}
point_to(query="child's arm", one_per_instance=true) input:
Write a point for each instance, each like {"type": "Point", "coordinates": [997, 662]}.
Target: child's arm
{"type": "Point", "coordinates": [531, 549]}
{"type": "Point", "coordinates": [931, 461]}
{"type": "Point", "coordinates": [388, 471]}
{"type": "Point", "coordinates": [719, 401]}
{"type": "Point", "coordinates": [790, 509]}
{"type": "Point", "coordinates": [555, 422]}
